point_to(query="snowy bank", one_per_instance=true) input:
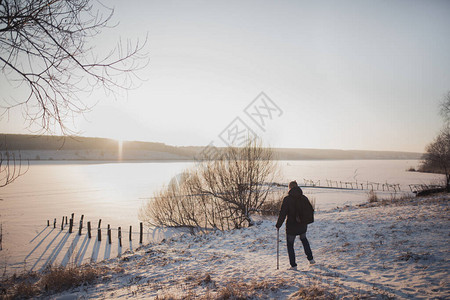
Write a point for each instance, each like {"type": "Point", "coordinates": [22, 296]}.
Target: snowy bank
{"type": "Point", "coordinates": [398, 250]}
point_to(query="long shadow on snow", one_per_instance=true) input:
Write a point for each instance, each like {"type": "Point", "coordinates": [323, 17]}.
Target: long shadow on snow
{"type": "Point", "coordinates": [40, 243]}
{"type": "Point", "coordinates": [352, 279]}
{"type": "Point", "coordinates": [70, 251]}
{"type": "Point", "coordinates": [39, 234]}
{"type": "Point", "coordinates": [107, 251]}
{"type": "Point", "coordinates": [95, 250]}
{"type": "Point", "coordinates": [82, 252]}
{"type": "Point", "coordinates": [55, 250]}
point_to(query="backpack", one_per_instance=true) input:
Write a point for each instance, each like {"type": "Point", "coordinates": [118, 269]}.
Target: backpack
{"type": "Point", "coordinates": [304, 212]}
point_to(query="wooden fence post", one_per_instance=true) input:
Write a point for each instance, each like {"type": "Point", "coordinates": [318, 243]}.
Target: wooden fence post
{"type": "Point", "coordinates": [70, 225]}
{"type": "Point", "coordinates": [81, 227]}
{"type": "Point", "coordinates": [120, 237]}
{"type": "Point", "coordinates": [48, 222]}
{"type": "Point", "coordinates": [66, 220]}
{"type": "Point", "coordinates": [81, 224]}
{"type": "Point", "coordinates": [54, 223]}
{"type": "Point", "coordinates": [109, 234]}
{"type": "Point", "coordinates": [89, 229]}
{"type": "Point", "coordinates": [141, 232]}
{"type": "Point", "coordinates": [99, 231]}
{"type": "Point", "coordinates": [73, 216]}
{"type": "Point", "coordinates": [62, 223]}
{"type": "Point", "coordinates": [130, 233]}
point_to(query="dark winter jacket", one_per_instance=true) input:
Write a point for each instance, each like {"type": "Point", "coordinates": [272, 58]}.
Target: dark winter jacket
{"type": "Point", "coordinates": [288, 209]}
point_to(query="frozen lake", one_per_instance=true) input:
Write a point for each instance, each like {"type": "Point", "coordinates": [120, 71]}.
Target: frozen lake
{"type": "Point", "coordinates": [114, 192]}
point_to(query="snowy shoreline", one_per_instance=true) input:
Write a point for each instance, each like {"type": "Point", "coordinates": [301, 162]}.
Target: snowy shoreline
{"type": "Point", "coordinates": [380, 250]}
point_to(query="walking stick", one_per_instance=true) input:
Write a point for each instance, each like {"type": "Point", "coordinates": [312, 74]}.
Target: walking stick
{"type": "Point", "coordinates": [278, 248]}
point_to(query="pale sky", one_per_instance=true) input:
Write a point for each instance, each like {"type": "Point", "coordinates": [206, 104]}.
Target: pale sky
{"type": "Point", "coordinates": [364, 75]}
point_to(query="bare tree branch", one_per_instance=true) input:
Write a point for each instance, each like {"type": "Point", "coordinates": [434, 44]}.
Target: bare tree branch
{"type": "Point", "coordinates": [11, 166]}
{"type": "Point", "coordinates": [44, 49]}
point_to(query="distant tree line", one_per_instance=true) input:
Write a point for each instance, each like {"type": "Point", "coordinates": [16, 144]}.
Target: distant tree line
{"type": "Point", "coordinates": [437, 156]}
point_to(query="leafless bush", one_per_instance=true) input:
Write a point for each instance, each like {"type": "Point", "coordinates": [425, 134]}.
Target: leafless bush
{"type": "Point", "coordinates": [313, 292]}
{"type": "Point", "coordinates": [54, 279]}
{"type": "Point", "coordinates": [58, 279]}
{"type": "Point", "coordinates": [372, 197]}
{"type": "Point", "coordinates": [21, 290]}
{"type": "Point", "coordinates": [271, 208]}
{"type": "Point", "coordinates": [251, 290]}
{"type": "Point", "coordinates": [217, 194]}
{"type": "Point", "coordinates": [19, 286]}
{"type": "Point", "coordinates": [272, 205]}
{"type": "Point", "coordinates": [437, 156]}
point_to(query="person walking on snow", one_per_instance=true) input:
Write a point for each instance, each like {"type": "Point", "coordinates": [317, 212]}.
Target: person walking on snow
{"type": "Point", "coordinates": [294, 204]}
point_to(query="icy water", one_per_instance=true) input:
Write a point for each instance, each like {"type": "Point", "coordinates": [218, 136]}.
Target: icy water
{"type": "Point", "coordinates": [114, 192]}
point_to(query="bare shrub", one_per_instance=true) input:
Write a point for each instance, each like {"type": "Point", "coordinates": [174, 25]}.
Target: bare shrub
{"type": "Point", "coordinates": [206, 279]}
{"type": "Point", "coordinates": [272, 205]}
{"type": "Point", "coordinates": [19, 286]}
{"type": "Point", "coordinates": [437, 156]}
{"type": "Point", "coordinates": [312, 200]}
{"type": "Point", "coordinates": [52, 280]}
{"type": "Point", "coordinates": [217, 194]}
{"type": "Point", "coordinates": [233, 291]}
{"type": "Point", "coordinates": [174, 206]}
{"type": "Point", "coordinates": [372, 197]}
{"type": "Point", "coordinates": [58, 279]}
{"type": "Point", "coordinates": [313, 292]}
{"type": "Point", "coordinates": [24, 290]}
{"type": "Point", "coordinates": [252, 290]}
{"type": "Point", "coordinates": [166, 297]}
{"type": "Point", "coordinates": [271, 208]}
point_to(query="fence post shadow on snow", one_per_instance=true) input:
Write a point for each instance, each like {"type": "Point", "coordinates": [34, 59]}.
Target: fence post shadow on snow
{"type": "Point", "coordinates": [54, 252]}
{"type": "Point", "coordinates": [51, 241]}
{"type": "Point", "coordinates": [42, 231]}
{"type": "Point", "coordinates": [40, 242]}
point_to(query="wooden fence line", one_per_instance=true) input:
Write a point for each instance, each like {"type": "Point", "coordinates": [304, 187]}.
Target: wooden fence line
{"type": "Point", "coordinates": [64, 221]}
{"type": "Point", "coordinates": [354, 185]}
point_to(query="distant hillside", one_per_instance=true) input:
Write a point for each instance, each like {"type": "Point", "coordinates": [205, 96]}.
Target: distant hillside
{"type": "Point", "coordinates": [313, 154]}
{"type": "Point", "coordinates": [82, 148]}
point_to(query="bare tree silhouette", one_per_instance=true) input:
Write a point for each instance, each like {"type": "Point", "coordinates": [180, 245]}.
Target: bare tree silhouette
{"type": "Point", "coordinates": [437, 156]}
{"type": "Point", "coordinates": [11, 167]}
{"type": "Point", "coordinates": [44, 49]}
{"type": "Point", "coordinates": [220, 194]}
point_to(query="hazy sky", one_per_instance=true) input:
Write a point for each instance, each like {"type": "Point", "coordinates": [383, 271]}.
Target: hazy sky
{"type": "Point", "coordinates": [340, 74]}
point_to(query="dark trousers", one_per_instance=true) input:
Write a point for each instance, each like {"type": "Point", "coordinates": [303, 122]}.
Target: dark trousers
{"type": "Point", "coordinates": [290, 247]}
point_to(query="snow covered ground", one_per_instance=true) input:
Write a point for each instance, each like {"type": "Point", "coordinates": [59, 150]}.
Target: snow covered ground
{"type": "Point", "coordinates": [396, 250]}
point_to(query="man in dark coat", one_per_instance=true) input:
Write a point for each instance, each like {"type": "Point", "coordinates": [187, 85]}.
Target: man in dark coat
{"type": "Point", "coordinates": [294, 228]}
